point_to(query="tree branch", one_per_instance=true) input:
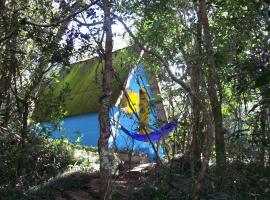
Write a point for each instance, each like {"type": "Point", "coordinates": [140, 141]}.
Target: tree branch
{"type": "Point", "coordinates": [8, 35]}
{"type": "Point", "coordinates": [86, 24]}
{"type": "Point", "coordinates": [64, 19]}
{"type": "Point", "coordinates": [158, 56]}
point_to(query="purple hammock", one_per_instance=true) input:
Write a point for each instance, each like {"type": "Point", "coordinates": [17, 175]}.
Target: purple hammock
{"type": "Point", "coordinates": [154, 135]}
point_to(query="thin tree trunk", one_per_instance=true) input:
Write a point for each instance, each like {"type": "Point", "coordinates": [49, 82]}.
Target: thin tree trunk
{"type": "Point", "coordinates": [24, 111]}
{"type": "Point", "coordinates": [196, 111]}
{"type": "Point", "coordinates": [8, 62]}
{"type": "Point", "coordinates": [212, 92]}
{"type": "Point", "coordinates": [263, 125]}
{"type": "Point", "coordinates": [105, 103]}
{"type": "Point", "coordinates": [262, 135]}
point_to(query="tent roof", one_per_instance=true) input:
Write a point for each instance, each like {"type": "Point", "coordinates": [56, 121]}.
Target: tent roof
{"type": "Point", "coordinates": [84, 81]}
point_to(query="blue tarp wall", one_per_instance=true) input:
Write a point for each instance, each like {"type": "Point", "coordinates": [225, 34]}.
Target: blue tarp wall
{"type": "Point", "coordinates": [87, 125]}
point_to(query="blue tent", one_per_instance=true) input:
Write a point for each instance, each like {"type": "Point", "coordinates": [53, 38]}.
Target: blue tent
{"type": "Point", "coordinates": [82, 104]}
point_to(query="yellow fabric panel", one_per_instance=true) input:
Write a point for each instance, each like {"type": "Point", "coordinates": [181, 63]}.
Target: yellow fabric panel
{"type": "Point", "coordinates": [133, 97]}
{"type": "Point", "coordinates": [144, 118]}
{"type": "Point", "coordinates": [134, 100]}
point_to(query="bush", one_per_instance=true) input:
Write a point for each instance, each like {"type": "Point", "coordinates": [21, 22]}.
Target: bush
{"type": "Point", "coordinates": [30, 163]}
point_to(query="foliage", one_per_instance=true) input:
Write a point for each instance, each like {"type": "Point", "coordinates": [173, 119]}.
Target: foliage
{"type": "Point", "coordinates": [241, 181]}
{"type": "Point", "coordinates": [43, 159]}
{"type": "Point", "coordinates": [38, 39]}
{"type": "Point", "coordinates": [239, 38]}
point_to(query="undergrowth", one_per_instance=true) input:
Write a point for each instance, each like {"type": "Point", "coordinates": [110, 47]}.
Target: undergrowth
{"type": "Point", "coordinates": [174, 182]}
{"type": "Point", "coordinates": [38, 161]}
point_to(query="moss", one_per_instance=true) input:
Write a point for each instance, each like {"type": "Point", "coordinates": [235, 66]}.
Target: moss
{"type": "Point", "coordinates": [84, 81]}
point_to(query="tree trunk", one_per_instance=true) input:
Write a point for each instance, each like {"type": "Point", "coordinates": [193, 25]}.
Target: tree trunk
{"type": "Point", "coordinates": [212, 92]}
{"type": "Point", "coordinates": [6, 72]}
{"type": "Point", "coordinates": [263, 125]}
{"type": "Point", "coordinates": [24, 111]}
{"type": "Point", "coordinates": [262, 135]}
{"type": "Point", "coordinates": [196, 111]}
{"type": "Point", "coordinates": [105, 103]}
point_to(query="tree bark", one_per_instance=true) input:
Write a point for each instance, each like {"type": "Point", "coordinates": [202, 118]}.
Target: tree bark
{"type": "Point", "coordinates": [212, 80]}
{"type": "Point", "coordinates": [7, 68]}
{"type": "Point", "coordinates": [196, 111]}
{"type": "Point", "coordinates": [262, 136]}
{"type": "Point", "coordinates": [263, 125]}
{"type": "Point", "coordinates": [105, 103]}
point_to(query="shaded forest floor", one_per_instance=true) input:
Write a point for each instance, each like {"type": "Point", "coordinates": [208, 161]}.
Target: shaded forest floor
{"type": "Point", "coordinates": [148, 181]}
{"type": "Point", "coordinates": [85, 186]}
{"type": "Point", "coordinates": [57, 169]}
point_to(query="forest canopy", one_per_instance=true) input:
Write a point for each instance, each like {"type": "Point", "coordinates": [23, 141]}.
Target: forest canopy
{"type": "Point", "coordinates": [211, 59]}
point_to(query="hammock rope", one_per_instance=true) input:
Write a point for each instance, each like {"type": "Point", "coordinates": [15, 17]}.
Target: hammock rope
{"type": "Point", "coordinates": [154, 135]}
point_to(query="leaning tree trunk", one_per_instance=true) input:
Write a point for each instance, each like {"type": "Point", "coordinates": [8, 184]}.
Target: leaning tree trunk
{"type": "Point", "coordinates": [212, 92]}
{"type": "Point", "coordinates": [105, 100]}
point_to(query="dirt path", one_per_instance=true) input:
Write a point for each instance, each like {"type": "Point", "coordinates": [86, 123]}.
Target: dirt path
{"type": "Point", "coordinates": [123, 184]}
